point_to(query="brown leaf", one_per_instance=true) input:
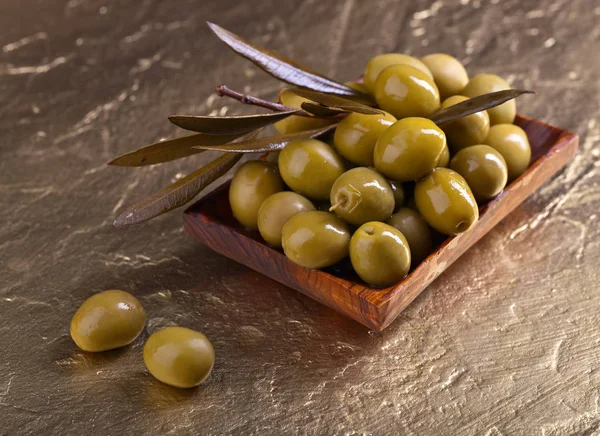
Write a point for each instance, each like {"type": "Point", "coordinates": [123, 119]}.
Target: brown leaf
{"type": "Point", "coordinates": [336, 102]}
{"type": "Point", "coordinates": [170, 149]}
{"type": "Point", "coordinates": [279, 66]}
{"type": "Point", "coordinates": [270, 143]}
{"type": "Point", "coordinates": [476, 104]}
{"type": "Point", "coordinates": [228, 125]}
{"type": "Point", "coordinates": [179, 193]}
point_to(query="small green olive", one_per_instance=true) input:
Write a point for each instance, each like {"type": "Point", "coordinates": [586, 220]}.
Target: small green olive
{"type": "Point", "coordinates": [296, 123]}
{"type": "Point", "coordinates": [415, 230]}
{"type": "Point", "coordinates": [444, 157]}
{"type": "Point", "coordinates": [380, 254]}
{"type": "Point", "coordinates": [405, 91]}
{"type": "Point", "coordinates": [486, 83]}
{"type": "Point", "coordinates": [179, 357]}
{"type": "Point", "coordinates": [310, 167]}
{"type": "Point", "coordinates": [315, 239]}
{"type": "Point", "coordinates": [252, 183]}
{"type": "Point", "coordinates": [512, 143]}
{"type": "Point", "coordinates": [446, 202]}
{"type": "Point", "coordinates": [360, 195]}
{"type": "Point", "coordinates": [409, 149]}
{"type": "Point", "coordinates": [466, 131]}
{"type": "Point", "coordinates": [356, 135]}
{"type": "Point", "coordinates": [276, 210]}
{"type": "Point", "coordinates": [448, 73]}
{"type": "Point", "coordinates": [483, 168]}
{"type": "Point", "coordinates": [107, 320]}
{"type": "Point", "coordinates": [378, 63]}
{"type": "Point", "coordinates": [399, 195]}
{"type": "Point", "coordinates": [357, 86]}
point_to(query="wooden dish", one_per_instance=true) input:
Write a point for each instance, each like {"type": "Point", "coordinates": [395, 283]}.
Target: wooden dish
{"type": "Point", "coordinates": [210, 220]}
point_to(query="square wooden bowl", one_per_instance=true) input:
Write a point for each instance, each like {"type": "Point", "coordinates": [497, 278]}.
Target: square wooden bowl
{"type": "Point", "coordinates": [210, 220]}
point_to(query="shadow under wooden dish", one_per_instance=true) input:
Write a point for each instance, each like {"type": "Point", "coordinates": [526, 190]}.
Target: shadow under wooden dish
{"type": "Point", "coordinates": [210, 220]}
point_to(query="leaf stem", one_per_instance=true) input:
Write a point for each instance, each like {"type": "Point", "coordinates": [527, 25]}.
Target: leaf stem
{"type": "Point", "coordinates": [225, 91]}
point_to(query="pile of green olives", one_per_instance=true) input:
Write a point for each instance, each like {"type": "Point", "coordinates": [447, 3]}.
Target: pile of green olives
{"type": "Point", "coordinates": [382, 188]}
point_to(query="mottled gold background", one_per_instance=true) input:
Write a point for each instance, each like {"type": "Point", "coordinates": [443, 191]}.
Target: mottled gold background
{"type": "Point", "coordinates": [505, 342]}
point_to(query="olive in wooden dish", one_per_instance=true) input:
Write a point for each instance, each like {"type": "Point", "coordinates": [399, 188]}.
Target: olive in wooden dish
{"type": "Point", "coordinates": [409, 148]}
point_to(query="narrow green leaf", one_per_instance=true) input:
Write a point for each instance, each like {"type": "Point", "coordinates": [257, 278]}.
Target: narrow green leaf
{"type": "Point", "coordinates": [270, 143]}
{"type": "Point", "coordinates": [279, 66]}
{"type": "Point", "coordinates": [169, 150]}
{"type": "Point", "coordinates": [476, 104]}
{"type": "Point", "coordinates": [228, 125]}
{"type": "Point", "coordinates": [336, 102]}
{"type": "Point", "coordinates": [179, 193]}
{"type": "Point", "coordinates": [321, 111]}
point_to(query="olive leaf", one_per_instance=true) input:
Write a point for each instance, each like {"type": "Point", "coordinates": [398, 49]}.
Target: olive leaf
{"type": "Point", "coordinates": [171, 149]}
{"type": "Point", "coordinates": [228, 125]}
{"type": "Point", "coordinates": [269, 143]}
{"type": "Point", "coordinates": [319, 110]}
{"type": "Point", "coordinates": [336, 102]}
{"type": "Point", "coordinates": [279, 66]}
{"type": "Point", "coordinates": [476, 104]}
{"type": "Point", "coordinates": [179, 193]}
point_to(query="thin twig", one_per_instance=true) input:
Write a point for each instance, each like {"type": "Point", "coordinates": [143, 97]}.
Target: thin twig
{"type": "Point", "coordinates": [224, 91]}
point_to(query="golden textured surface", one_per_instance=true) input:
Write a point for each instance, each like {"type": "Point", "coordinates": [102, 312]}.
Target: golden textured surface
{"type": "Point", "coordinates": [505, 342]}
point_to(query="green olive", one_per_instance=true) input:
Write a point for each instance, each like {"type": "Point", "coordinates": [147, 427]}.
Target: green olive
{"type": "Point", "coordinates": [409, 149]}
{"type": "Point", "coordinates": [252, 183]}
{"type": "Point", "coordinates": [398, 191]}
{"type": "Point", "coordinates": [448, 73]}
{"type": "Point", "coordinates": [379, 254]}
{"type": "Point", "coordinates": [466, 131]}
{"type": "Point", "coordinates": [276, 210]}
{"type": "Point", "coordinates": [483, 168]}
{"type": "Point", "coordinates": [310, 167]}
{"type": "Point", "coordinates": [315, 239]}
{"type": "Point", "coordinates": [357, 86]}
{"type": "Point", "coordinates": [512, 143]}
{"type": "Point", "coordinates": [415, 230]}
{"type": "Point", "coordinates": [296, 123]}
{"type": "Point", "coordinates": [486, 83]}
{"type": "Point", "coordinates": [377, 64]}
{"type": "Point", "coordinates": [446, 202]}
{"type": "Point", "coordinates": [179, 357]}
{"type": "Point", "coordinates": [107, 320]}
{"type": "Point", "coordinates": [404, 91]}
{"type": "Point", "coordinates": [360, 195]}
{"type": "Point", "coordinates": [356, 135]}
{"type": "Point", "coordinates": [444, 157]}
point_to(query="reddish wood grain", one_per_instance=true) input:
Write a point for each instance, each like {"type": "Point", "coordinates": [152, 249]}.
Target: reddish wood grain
{"type": "Point", "coordinates": [210, 220]}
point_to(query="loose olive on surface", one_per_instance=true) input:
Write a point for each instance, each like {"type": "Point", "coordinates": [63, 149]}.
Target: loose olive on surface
{"type": "Point", "coordinates": [399, 195]}
{"type": "Point", "coordinates": [252, 183]}
{"type": "Point", "coordinates": [356, 135]}
{"type": "Point", "coordinates": [107, 320]}
{"type": "Point", "coordinates": [512, 143]}
{"type": "Point", "coordinates": [444, 157]}
{"type": "Point", "coordinates": [310, 167]}
{"type": "Point", "coordinates": [409, 149]}
{"type": "Point", "coordinates": [179, 357]}
{"type": "Point", "coordinates": [315, 239]}
{"type": "Point", "coordinates": [415, 230]}
{"type": "Point", "coordinates": [276, 210]}
{"type": "Point", "coordinates": [360, 195]}
{"type": "Point", "coordinates": [380, 254]}
{"type": "Point", "coordinates": [486, 83]}
{"type": "Point", "coordinates": [446, 202]}
{"type": "Point", "coordinates": [405, 91]}
{"type": "Point", "coordinates": [466, 131]}
{"type": "Point", "coordinates": [296, 123]}
{"type": "Point", "coordinates": [483, 168]}
{"type": "Point", "coordinates": [377, 64]}
{"type": "Point", "coordinates": [448, 73]}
